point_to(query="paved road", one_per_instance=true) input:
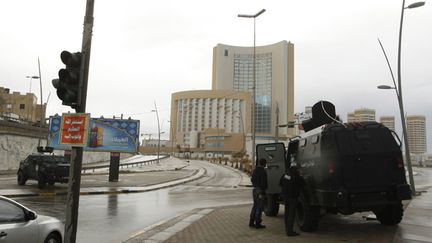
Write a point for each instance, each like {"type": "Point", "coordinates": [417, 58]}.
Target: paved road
{"type": "Point", "coordinates": [114, 218]}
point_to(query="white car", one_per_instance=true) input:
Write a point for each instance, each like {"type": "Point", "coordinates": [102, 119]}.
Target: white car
{"type": "Point", "coordinates": [20, 224]}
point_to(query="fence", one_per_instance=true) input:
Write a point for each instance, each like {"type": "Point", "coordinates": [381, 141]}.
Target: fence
{"type": "Point", "coordinates": [131, 164]}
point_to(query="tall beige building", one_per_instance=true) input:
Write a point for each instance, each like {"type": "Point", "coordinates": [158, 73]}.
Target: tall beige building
{"type": "Point", "coordinates": [416, 129]}
{"type": "Point", "coordinates": [361, 115]}
{"type": "Point", "coordinates": [274, 74]}
{"type": "Point", "coordinates": [22, 107]}
{"type": "Point", "coordinates": [388, 121]}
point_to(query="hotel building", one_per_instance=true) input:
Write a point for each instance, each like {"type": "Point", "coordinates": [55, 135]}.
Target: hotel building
{"type": "Point", "coordinates": [274, 74]}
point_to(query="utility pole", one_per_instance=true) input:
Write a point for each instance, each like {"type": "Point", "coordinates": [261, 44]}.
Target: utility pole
{"type": "Point", "coordinates": [277, 124]}
{"type": "Point", "coordinates": [72, 203]}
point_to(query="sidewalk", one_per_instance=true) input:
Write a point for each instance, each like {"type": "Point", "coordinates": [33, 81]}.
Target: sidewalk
{"type": "Point", "coordinates": [229, 224]}
{"type": "Point", "coordinates": [169, 172]}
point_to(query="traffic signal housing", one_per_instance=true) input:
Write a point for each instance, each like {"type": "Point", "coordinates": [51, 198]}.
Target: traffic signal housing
{"type": "Point", "coordinates": [68, 83]}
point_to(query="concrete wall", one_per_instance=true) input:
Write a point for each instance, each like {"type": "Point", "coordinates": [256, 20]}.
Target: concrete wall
{"type": "Point", "coordinates": [17, 141]}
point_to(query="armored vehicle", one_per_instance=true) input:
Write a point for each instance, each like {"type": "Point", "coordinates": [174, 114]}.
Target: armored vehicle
{"type": "Point", "coordinates": [44, 168]}
{"type": "Point", "coordinates": [348, 168]}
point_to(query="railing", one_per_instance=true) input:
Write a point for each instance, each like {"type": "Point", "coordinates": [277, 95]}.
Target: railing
{"type": "Point", "coordinates": [132, 164]}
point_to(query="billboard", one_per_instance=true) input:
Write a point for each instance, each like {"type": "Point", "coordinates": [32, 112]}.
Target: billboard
{"type": "Point", "coordinates": [104, 135]}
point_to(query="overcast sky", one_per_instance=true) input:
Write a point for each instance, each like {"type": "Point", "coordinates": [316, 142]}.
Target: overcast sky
{"type": "Point", "coordinates": [143, 51]}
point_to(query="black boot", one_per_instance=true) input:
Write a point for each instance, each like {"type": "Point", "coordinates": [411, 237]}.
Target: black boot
{"type": "Point", "coordinates": [293, 233]}
{"type": "Point", "coordinates": [258, 225]}
{"type": "Point", "coordinates": [251, 223]}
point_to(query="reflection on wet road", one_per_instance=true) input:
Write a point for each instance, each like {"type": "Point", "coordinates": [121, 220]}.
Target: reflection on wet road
{"type": "Point", "coordinates": [113, 218]}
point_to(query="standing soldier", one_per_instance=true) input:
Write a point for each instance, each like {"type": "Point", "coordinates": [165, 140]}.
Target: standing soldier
{"type": "Point", "coordinates": [259, 182]}
{"type": "Point", "coordinates": [291, 184]}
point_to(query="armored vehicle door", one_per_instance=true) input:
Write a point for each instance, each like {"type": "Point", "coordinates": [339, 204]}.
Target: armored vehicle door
{"type": "Point", "coordinates": [33, 166]}
{"type": "Point", "coordinates": [274, 153]}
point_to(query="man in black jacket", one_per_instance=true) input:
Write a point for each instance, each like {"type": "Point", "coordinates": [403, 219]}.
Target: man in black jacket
{"type": "Point", "coordinates": [259, 182]}
{"type": "Point", "coordinates": [291, 184]}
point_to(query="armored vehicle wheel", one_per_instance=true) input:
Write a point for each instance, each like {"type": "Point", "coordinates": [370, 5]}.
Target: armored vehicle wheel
{"type": "Point", "coordinates": [391, 214]}
{"type": "Point", "coordinates": [41, 182]}
{"type": "Point", "coordinates": [271, 206]}
{"type": "Point", "coordinates": [21, 178]}
{"type": "Point", "coordinates": [307, 215]}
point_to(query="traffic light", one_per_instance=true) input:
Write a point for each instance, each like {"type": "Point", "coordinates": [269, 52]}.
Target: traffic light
{"type": "Point", "coordinates": [67, 84]}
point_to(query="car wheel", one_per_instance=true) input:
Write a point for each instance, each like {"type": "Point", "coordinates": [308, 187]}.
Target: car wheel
{"type": "Point", "coordinates": [21, 178]}
{"type": "Point", "coordinates": [41, 181]}
{"type": "Point", "coordinates": [307, 215]}
{"type": "Point", "coordinates": [391, 214]}
{"type": "Point", "coordinates": [271, 207]}
{"type": "Point", "coordinates": [51, 183]}
{"type": "Point", "coordinates": [53, 238]}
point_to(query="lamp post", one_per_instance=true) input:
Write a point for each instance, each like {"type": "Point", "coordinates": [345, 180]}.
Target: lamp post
{"type": "Point", "coordinates": [405, 135]}
{"type": "Point", "coordinates": [254, 16]}
{"type": "Point", "coordinates": [159, 133]}
{"type": "Point", "coordinates": [172, 139]}
{"type": "Point", "coordinates": [31, 78]}
{"type": "Point", "coordinates": [42, 110]}
{"type": "Point", "coordinates": [398, 90]}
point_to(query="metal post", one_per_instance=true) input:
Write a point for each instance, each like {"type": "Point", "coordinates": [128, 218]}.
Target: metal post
{"type": "Point", "coordinates": [41, 104]}
{"type": "Point", "coordinates": [401, 108]}
{"type": "Point", "coordinates": [157, 116]}
{"type": "Point", "coordinates": [254, 100]}
{"type": "Point", "coordinates": [254, 83]}
{"type": "Point", "coordinates": [277, 124]}
{"type": "Point", "coordinates": [71, 222]}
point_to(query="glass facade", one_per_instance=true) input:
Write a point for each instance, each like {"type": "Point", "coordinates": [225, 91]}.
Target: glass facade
{"type": "Point", "coordinates": [243, 81]}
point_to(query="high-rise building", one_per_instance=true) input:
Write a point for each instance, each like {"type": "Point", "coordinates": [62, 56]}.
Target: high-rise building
{"type": "Point", "coordinates": [416, 129]}
{"type": "Point", "coordinates": [388, 121]}
{"type": "Point", "coordinates": [233, 69]}
{"type": "Point", "coordinates": [361, 115]}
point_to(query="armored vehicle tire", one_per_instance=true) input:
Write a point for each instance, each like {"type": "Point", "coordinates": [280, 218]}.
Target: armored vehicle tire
{"type": "Point", "coordinates": [307, 215]}
{"type": "Point", "coordinates": [391, 214]}
{"type": "Point", "coordinates": [21, 178]}
{"type": "Point", "coordinates": [41, 182]}
{"type": "Point", "coordinates": [271, 206]}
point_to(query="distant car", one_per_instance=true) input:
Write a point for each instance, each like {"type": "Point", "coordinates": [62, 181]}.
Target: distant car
{"type": "Point", "coordinates": [20, 224]}
{"type": "Point", "coordinates": [45, 168]}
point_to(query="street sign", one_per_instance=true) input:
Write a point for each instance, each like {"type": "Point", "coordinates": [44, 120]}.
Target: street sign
{"type": "Point", "coordinates": [73, 130]}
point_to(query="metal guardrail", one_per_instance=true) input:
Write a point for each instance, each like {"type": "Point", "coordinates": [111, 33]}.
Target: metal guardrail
{"type": "Point", "coordinates": [132, 164]}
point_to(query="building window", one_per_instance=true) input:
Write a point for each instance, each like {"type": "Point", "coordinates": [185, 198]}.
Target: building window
{"type": "Point", "coordinates": [243, 81]}
{"type": "Point", "coordinates": [22, 106]}
{"type": "Point", "coordinates": [226, 52]}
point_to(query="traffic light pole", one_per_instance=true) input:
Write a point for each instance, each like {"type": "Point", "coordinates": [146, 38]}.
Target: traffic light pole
{"type": "Point", "coordinates": [72, 204]}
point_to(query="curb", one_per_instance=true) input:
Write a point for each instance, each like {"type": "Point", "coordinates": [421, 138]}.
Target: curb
{"type": "Point", "coordinates": [195, 176]}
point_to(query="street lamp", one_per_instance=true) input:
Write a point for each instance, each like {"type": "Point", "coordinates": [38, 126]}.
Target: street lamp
{"type": "Point", "coordinates": [398, 90]}
{"type": "Point", "coordinates": [31, 77]}
{"type": "Point", "coordinates": [172, 139]}
{"type": "Point", "coordinates": [254, 81]}
{"type": "Point", "coordinates": [28, 109]}
{"type": "Point", "coordinates": [159, 133]}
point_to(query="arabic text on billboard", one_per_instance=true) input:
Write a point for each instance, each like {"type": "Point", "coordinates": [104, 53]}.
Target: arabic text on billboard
{"type": "Point", "coordinates": [110, 135]}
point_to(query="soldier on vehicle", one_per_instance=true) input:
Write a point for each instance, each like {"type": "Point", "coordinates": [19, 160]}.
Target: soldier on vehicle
{"type": "Point", "coordinates": [291, 184]}
{"type": "Point", "coordinates": [259, 182]}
